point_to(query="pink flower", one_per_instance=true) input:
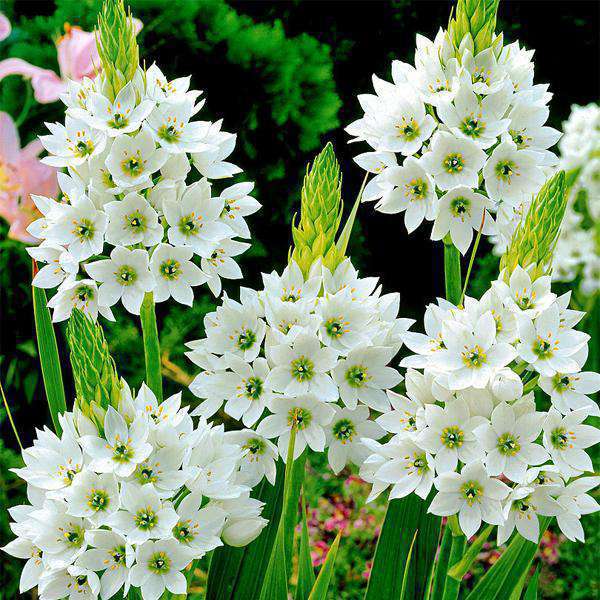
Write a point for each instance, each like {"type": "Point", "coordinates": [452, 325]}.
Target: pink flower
{"type": "Point", "coordinates": [21, 174]}
{"type": "Point", "coordinates": [5, 27]}
{"type": "Point", "coordinates": [318, 552]}
{"type": "Point", "coordinates": [77, 58]}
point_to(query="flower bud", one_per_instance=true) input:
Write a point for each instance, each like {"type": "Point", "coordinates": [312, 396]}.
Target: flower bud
{"type": "Point", "coordinates": [243, 531]}
{"type": "Point", "coordinates": [507, 385]}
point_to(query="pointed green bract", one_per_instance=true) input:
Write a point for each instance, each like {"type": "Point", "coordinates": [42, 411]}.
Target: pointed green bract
{"type": "Point", "coordinates": [97, 384]}
{"type": "Point", "coordinates": [476, 18]}
{"type": "Point", "coordinates": [320, 214]}
{"type": "Point", "coordinates": [117, 46]}
{"type": "Point", "coordinates": [533, 242]}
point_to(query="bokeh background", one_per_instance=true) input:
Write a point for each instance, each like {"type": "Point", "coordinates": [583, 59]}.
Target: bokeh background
{"type": "Point", "coordinates": [284, 75]}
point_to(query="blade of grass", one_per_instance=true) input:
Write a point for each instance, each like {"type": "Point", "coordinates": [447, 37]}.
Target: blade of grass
{"type": "Point", "coordinates": [151, 346]}
{"type": "Point", "coordinates": [405, 577]}
{"type": "Point", "coordinates": [441, 566]}
{"type": "Point", "coordinates": [319, 590]}
{"type": "Point", "coordinates": [306, 573]}
{"type": "Point", "coordinates": [459, 569]}
{"type": "Point", "coordinates": [10, 417]}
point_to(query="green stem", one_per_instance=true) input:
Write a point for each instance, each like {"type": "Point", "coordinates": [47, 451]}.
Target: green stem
{"type": "Point", "coordinates": [472, 260]}
{"type": "Point", "coordinates": [452, 271]}
{"type": "Point", "coordinates": [26, 106]}
{"type": "Point", "coordinates": [456, 552]}
{"type": "Point", "coordinates": [151, 346]}
{"type": "Point", "coordinates": [10, 418]}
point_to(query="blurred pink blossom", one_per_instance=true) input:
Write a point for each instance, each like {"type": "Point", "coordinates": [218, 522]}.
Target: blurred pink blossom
{"type": "Point", "coordinates": [21, 174]}
{"type": "Point", "coordinates": [77, 58]}
{"type": "Point", "coordinates": [318, 552]}
{"type": "Point", "coordinates": [5, 27]}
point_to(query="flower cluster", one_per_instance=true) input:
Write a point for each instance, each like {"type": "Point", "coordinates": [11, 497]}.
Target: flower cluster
{"type": "Point", "coordinates": [456, 137]}
{"type": "Point", "coordinates": [308, 354]}
{"type": "Point", "coordinates": [130, 501]}
{"type": "Point", "coordinates": [469, 424]}
{"type": "Point", "coordinates": [578, 248]}
{"type": "Point", "coordinates": [127, 161]}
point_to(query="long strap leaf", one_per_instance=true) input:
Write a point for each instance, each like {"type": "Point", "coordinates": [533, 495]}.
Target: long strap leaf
{"type": "Point", "coordinates": [151, 346]}
{"type": "Point", "coordinates": [319, 591]}
{"type": "Point", "coordinates": [49, 359]}
{"type": "Point", "coordinates": [306, 573]}
{"type": "Point", "coordinates": [508, 572]}
{"type": "Point", "coordinates": [459, 569]}
{"type": "Point", "coordinates": [441, 566]}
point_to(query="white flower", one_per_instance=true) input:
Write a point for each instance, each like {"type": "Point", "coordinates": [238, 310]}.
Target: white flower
{"type": "Point", "coordinates": [506, 385]}
{"type": "Point", "coordinates": [120, 116]}
{"type": "Point", "coordinates": [60, 536]}
{"type": "Point", "coordinates": [472, 354]}
{"type": "Point", "coordinates": [566, 439]}
{"type": "Point", "coordinates": [71, 144]}
{"type": "Point", "coordinates": [575, 502]}
{"type": "Point", "coordinates": [303, 368]}
{"type": "Point", "coordinates": [133, 159]}
{"type": "Point", "coordinates": [524, 296]}
{"type": "Point", "coordinates": [570, 391]}
{"type": "Point", "coordinates": [259, 459]}
{"type": "Point", "coordinates": [345, 436]}
{"type": "Point", "coordinates": [290, 286]}
{"type": "Point", "coordinates": [459, 212]}
{"type": "Point", "coordinates": [80, 226]}
{"type": "Point", "coordinates": [61, 264]}
{"type": "Point", "coordinates": [125, 276]}
{"type": "Point", "coordinates": [244, 523]}
{"type": "Point", "coordinates": [132, 221]}
{"type": "Point", "coordinates": [512, 175]}
{"type": "Point", "coordinates": [93, 496]}
{"type": "Point", "coordinates": [237, 204]}
{"type": "Point", "coordinates": [211, 163]}
{"type": "Point", "coordinates": [193, 220]}
{"type": "Point", "coordinates": [112, 554]}
{"type": "Point", "coordinates": [122, 448]}
{"type": "Point", "coordinates": [198, 528]}
{"type": "Point", "coordinates": [217, 263]}
{"type": "Point", "coordinates": [475, 118]}
{"type": "Point", "coordinates": [412, 190]}
{"type": "Point", "coordinates": [509, 442]}
{"type": "Point", "coordinates": [23, 547]}
{"type": "Point", "coordinates": [453, 161]}
{"type": "Point", "coordinates": [364, 375]}
{"type": "Point", "coordinates": [506, 320]}
{"type": "Point", "coordinates": [487, 75]}
{"type": "Point", "coordinates": [473, 494]}
{"type": "Point", "coordinates": [449, 435]}
{"type": "Point", "coordinates": [81, 294]}
{"type": "Point", "coordinates": [158, 567]}
{"type": "Point", "coordinates": [547, 347]}
{"type": "Point", "coordinates": [175, 274]}
{"type": "Point", "coordinates": [159, 88]}
{"type": "Point", "coordinates": [402, 419]}
{"type": "Point", "coordinates": [407, 468]}
{"type": "Point", "coordinates": [73, 583]}
{"type": "Point", "coordinates": [306, 413]}
{"type": "Point", "coordinates": [142, 515]}
{"type": "Point", "coordinates": [163, 470]}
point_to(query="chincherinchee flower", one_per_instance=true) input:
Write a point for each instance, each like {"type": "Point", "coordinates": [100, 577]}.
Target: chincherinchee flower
{"type": "Point", "coordinates": [81, 294]}
{"type": "Point", "coordinates": [132, 221]}
{"type": "Point", "coordinates": [260, 457]}
{"type": "Point", "coordinates": [74, 583]}
{"type": "Point", "coordinates": [94, 496]}
{"type": "Point", "coordinates": [575, 502]}
{"type": "Point", "coordinates": [473, 494]}
{"type": "Point", "coordinates": [570, 391]}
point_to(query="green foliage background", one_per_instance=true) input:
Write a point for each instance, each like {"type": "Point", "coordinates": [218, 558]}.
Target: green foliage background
{"type": "Point", "coordinates": [284, 76]}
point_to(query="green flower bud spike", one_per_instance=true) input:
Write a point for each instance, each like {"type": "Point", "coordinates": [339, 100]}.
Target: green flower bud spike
{"type": "Point", "coordinates": [97, 384]}
{"type": "Point", "coordinates": [117, 46]}
{"type": "Point", "coordinates": [532, 244]}
{"type": "Point", "coordinates": [320, 214]}
{"type": "Point", "coordinates": [476, 18]}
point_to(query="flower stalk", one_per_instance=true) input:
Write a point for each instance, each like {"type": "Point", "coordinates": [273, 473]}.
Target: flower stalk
{"type": "Point", "coordinates": [151, 346]}
{"type": "Point", "coordinates": [452, 271]}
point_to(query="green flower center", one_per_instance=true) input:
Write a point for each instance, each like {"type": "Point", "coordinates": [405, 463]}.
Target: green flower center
{"type": "Point", "coordinates": [293, 295]}
{"type": "Point", "coordinates": [254, 446]}
{"type": "Point", "coordinates": [420, 463]}
{"type": "Point", "coordinates": [459, 207]}
{"type": "Point", "coordinates": [98, 500]}
{"type": "Point", "coordinates": [81, 580]}
{"type": "Point", "coordinates": [562, 383]}
{"type": "Point", "coordinates": [481, 76]}
{"type": "Point", "coordinates": [118, 121]}
{"type": "Point", "coordinates": [246, 339]}
{"type": "Point", "coordinates": [474, 357]}
{"type": "Point", "coordinates": [126, 275]}
{"type": "Point", "coordinates": [344, 430]}
{"type": "Point", "coordinates": [253, 388]}
{"type": "Point", "coordinates": [135, 221]}
{"type": "Point", "coordinates": [300, 418]}
{"type": "Point", "coordinates": [452, 437]}
{"type": "Point", "coordinates": [169, 133]}
{"type": "Point", "coordinates": [472, 126]}
{"type": "Point", "coordinates": [145, 519]}
{"type": "Point", "coordinates": [184, 531]}
{"type": "Point", "coordinates": [159, 563]}
{"type": "Point", "coordinates": [543, 348]}
{"type": "Point", "coordinates": [523, 505]}
{"type": "Point", "coordinates": [335, 327]}
{"type": "Point", "coordinates": [74, 536]}
{"type": "Point", "coordinates": [84, 229]}
{"type": "Point", "coordinates": [145, 474]}
{"type": "Point", "coordinates": [505, 169]}
{"type": "Point", "coordinates": [190, 224]}
{"type": "Point", "coordinates": [83, 294]}
{"type": "Point", "coordinates": [519, 138]}
{"type": "Point", "coordinates": [471, 491]}
{"type": "Point", "coordinates": [302, 369]}
{"type": "Point", "coordinates": [409, 130]}
{"type": "Point", "coordinates": [454, 163]}
{"type": "Point", "coordinates": [417, 189]}
{"type": "Point", "coordinates": [508, 444]}
{"type": "Point", "coordinates": [170, 269]}
{"type": "Point", "coordinates": [83, 148]}
{"type": "Point", "coordinates": [118, 555]}
{"type": "Point", "coordinates": [559, 438]}
{"type": "Point", "coordinates": [133, 165]}
{"type": "Point", "coordinates": [122, 452]}
{"type": "Point", "coordinates": [357, 376]}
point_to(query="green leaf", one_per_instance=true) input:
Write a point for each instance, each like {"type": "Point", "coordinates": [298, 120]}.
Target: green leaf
{"type": "Point", "coordinates": [441, 566]}
{"type": "Point", "coordinates": [457, 549]}
{"type": "Point", "coordinates": [151, 346]}
{"type": "Point", "coordinates": [306, 573]}
{"type": "Point", "coordinates": [459, 570]}
{"type": "Point", "coordinates": [319, 590]}
{"type": "Point", "coordinates": [404, 517]}
{"type": "Point", "coordinates": [406, 575]}
{"type": "Point", "coordinates": [344, 238]}
{"type": "Point", "coordinates": [531, 593]}
{"type": "Point", "coordinates": [452, 271]}
{"type": "Point", "coordinates": [508, 572]}
{"type": "Point", "coordinates": [49, 359]}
